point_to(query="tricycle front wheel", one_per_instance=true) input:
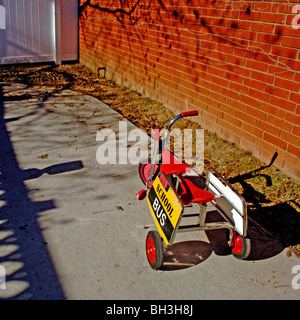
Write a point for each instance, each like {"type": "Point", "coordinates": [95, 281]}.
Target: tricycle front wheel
{"type": "Point", "coordinates": [154, 250]}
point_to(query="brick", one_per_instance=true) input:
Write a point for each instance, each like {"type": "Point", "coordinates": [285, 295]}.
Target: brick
{"type": "Point", "coordinates": [246, 118]}
{"type": "Point", "coordinates": [289, 63]}
{"type": "Point", "coordinates": [290, 158]}
{"type": "Point", "coordinates": [290, 138]}
{"type": "Point", "coordinates": [279, 123]}
{"type": "Point", "coordinates": [207, 45]}
{"type": "Point", "coordinates": [269, 38]}
{"type": "Point", "coordinates": [245, 34]}
{"type": "Point", "coordinates": [234, 77]}
{"type": "Point", "coordinates": [232, 101]}
{"type": "Point", "coordinates": [266, 127]}
{"type": "Point", "coordinates": [210, 117]}
{"type": "Point", "coordinates": [215, 71]}
{"type": "Point", "coordinates": [220, 81]}
{"type": "Point", "coordinates": [259, 95]}
{"type": "Point", "coordinates": [230, 94]}
{"type": "Point", "coordinates": [285, 7]}
{"type": "Point", "coordinates": [240, 24]}
{"type": "Point", "coordinates": [272, 17]}
{"type": "Point", "coordinates": [232, 120]}
{"type": "Point", "coordinates": [262, 27]}
{"type": "Point", "coordinates": [228, 110]}
{"type": "Point", "coordinates": [258, 114]}
{"type": "Point", "coordinates": [261, 76]}
{"type": "Point", "coordinates": [292, 117]}
{"type": "Point", "coordinates": [291, 42]}
{"type": "Point", "coordinates": [292, 169]}
{"type": "Point", "coordinates": [250, 101]}
{"type": "Point", "coordinates": [244, 53]}
{"type": "Point", "coordinates": [258, 66]}
{"type": "Point", "coordinates": [286, 30]}
{"type": "Point", "coordinates": [266, 146]}
{"type": "Point", "coordinates": [286, 84]}
{"type": "Point", "coordinates": [282, 103]}
{"type": "Point", "coordinates": [293, 150]}
{"type": "Point", "coordinates": [250, 146]}
{"type": "Point", "coordinates": [243, 5]}
{"type": "Point", "coordinates": [224, 48]}
{"type": "Point", "coordinates": [223, 23]}
{"type": "Point", "coordinates": [285, 52]}
{"type": "Point", "coordinates": [238, 87]}
{"type": "Point", "coordinates": [252, 129]}
{"type": "Point", "coordinates": [276, 91]}
{"type": "Point", "coordinates": [275, 141]}
{"type": "Point", "coordinates": [214, 104]}
{"type": "Point", "coordinates": [264, 6]}
{"type": "Point", "coordinates": [295, 97]}
{"type": "Point", "coordinates": [271, 109]}
{"type": "Point", "coordinates": [235, 61]}
{"type": "Point", "coordinates": [242, 71]}
{"type": "Point", "coordinates": [296, 130]}
{"type": "Point", "coordinates": [244, 134]}
{"type": "Point", "coordinates": [249, 82]}
{"type": "Point", "coordinates": [229, 135]}
{"type": "Point", "coordinates": [218, 97]}
{"type": "Point", "coordinates": [281, 72]}
{"type": "Point", "coordinates": [292, 19]}
{"type": "Point", "coordinates": [197, 96]}
{"type": "Point", "coordinates": [267, 58]}
{"type": "Point", "coordinates": [249, 16]}
{"type": "Point", "coordinates": [266, 156]}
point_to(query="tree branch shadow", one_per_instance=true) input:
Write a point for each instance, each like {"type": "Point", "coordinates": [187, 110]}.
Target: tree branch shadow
{"type": "Point", "coordinates": [271, 226]}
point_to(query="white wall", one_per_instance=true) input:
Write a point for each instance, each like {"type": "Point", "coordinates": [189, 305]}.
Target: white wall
{"type": "Point", "coordinates": [38, 30]}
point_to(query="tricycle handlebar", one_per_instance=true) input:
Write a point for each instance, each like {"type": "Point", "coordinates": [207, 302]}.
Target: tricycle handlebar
{"type": "Point", "coordinates": [182, 115]}
{"type": "Point", "coordinates": [189, 113]}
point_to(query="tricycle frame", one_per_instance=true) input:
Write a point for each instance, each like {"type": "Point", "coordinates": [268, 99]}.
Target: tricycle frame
{"type": "Point", "coordinates": [217, 192]}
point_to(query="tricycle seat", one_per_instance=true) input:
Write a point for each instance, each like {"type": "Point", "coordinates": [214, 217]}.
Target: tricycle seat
{"type": "Point", "coordinates": [177, 169]}
{"type": "Point", "coordinates": [194, 194]}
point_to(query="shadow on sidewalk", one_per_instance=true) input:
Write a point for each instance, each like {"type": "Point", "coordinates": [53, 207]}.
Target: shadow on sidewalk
{"type": "Point", "coordinates": [29, 270]}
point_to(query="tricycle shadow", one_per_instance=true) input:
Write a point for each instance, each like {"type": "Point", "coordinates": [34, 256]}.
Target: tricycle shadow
{"type": "Point", "coordinates": [263, 244]}
{"type": "Point", "coordinates": [186, 254]}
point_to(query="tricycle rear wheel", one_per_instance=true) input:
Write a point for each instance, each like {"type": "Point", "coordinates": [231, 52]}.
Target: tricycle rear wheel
{"type": "Point", "coordinates": [241, 247]}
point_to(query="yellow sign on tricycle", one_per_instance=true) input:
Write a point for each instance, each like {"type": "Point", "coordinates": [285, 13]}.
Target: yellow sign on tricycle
{"type": "Point", "coordinates": [165, 207]}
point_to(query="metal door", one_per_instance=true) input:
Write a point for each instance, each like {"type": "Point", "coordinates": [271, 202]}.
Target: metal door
{"type": "Point", "coordinates": [33, 30]}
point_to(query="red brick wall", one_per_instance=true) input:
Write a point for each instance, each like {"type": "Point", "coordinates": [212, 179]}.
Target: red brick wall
{"type": "Point", "coordinates": [237, 62]}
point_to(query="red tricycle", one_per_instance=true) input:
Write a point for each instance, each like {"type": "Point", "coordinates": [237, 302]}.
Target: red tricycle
{"type": "Point", "coordinates": [169, 190]}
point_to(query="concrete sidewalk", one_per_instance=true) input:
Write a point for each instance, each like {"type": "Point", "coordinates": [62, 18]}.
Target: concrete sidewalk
{"type": "Point", "coordinates": [73, 229]}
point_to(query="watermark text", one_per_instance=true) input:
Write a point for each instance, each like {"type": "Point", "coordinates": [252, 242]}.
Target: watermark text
{"type": "Point", "coordinates": [2, 18]}
{"type": "Point", "coordinates": [2, 278]}
{"type": "Point", "coordinates": [296, 278]}
{"type": "Point", "coordinates": [132, 146]}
